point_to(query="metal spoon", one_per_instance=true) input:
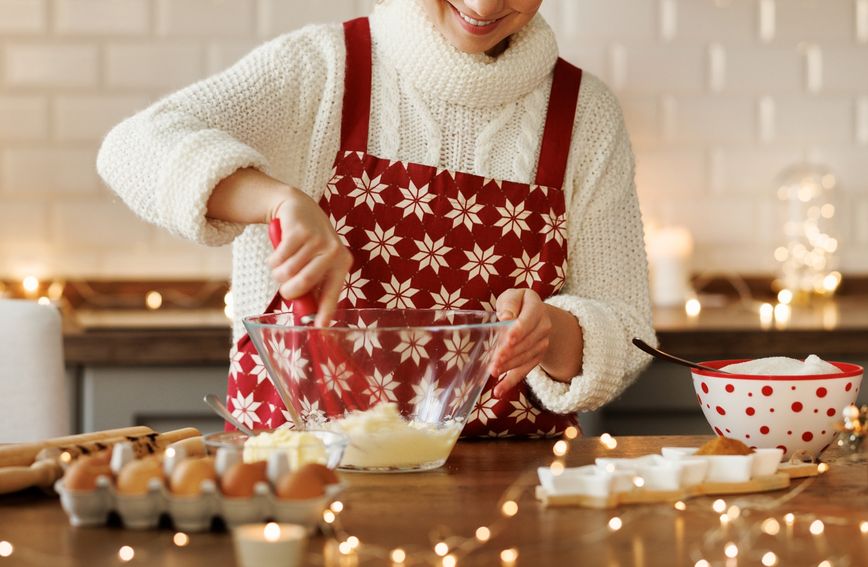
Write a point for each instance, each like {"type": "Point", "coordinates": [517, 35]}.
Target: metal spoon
{"type": "Point", "coordinates": [672, 358]}
{"type": "Point", "coordinates": [220, 409]}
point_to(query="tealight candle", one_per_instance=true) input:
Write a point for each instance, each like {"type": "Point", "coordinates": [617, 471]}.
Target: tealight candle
{"type": "Point", "coordinates": [269, 545]}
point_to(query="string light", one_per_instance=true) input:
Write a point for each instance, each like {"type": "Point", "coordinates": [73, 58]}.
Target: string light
{"type": "Point", "coordinates": [337, 507]}
{"type": "Point", "coordinates": [822, 468]}
{"type": "Point", "coordinates": [863, 527]}
{"type": "Point", "coordinates": [724, 519]}
{"type": "Point", "coordinates": [608, 441]}
{"type": "Point", "coordinates": [718, 506]}
{"type": "Point", "coordinates": [441, 549]}
{"type": "Point", "coordinates": [730, 550]}
{"type": "Point", "coordinates": [785, 296]}
{"type": "Point", "coordinates": [353, 542]}
{"type": "Point", "coordinates": [483, 534]}
{"type": "Point", "coordinates": [702, 563]}
{"type": "Point", "coordinates": [181, 539]}
{"type": "Point", "coordinates": [509, 556]}
{"type": "Point", "coordinates": [6, 548]}
{"type": "Point", "coordinates": [680, 506]}
{"type": "Point", "coordinates": [557, 468]}
{"type": "Point", "coordinates": [571, 432]}
{"type": "Point", "coordinates": [30, 284]}
{"type": "Point", "coordinates": [328, 516]}
{"type": "Point", "coordinates": [450, 561]}
{"type": "Point", "coordinates": [398, 555]}
{"type": "Point", "coordinates": [126, 554]}
{"type": "Point", "coordinates": [43, 301]}
{"type": "Point", "coordinates": [153, 300]}
{"type": "Point", "coordinates": [271, 532]}
{"type": "Point", "coordinates": [769, 559]}
{"type": "Point", "coordinates": [638, 481]}
{"type": "Point", "coordinates": [766, 314]}
{"type": "Point", "coordinates": [816, 528]}
{"type": "Point", "coordinates": [560, 448]}
{"type": "Point", "coordinates": [771, 526]}
{"type": "Point", "coordinates": [733, 512]}
{"type": "Point", "coordinates": [824, 564]}
{"type": "Point", "coordinates": [228, 305]}
{"type": "Point", "coordinates": [345, 548]}
{"type": "Point", "coordinates": [65, 457]}
{"type": "Point", "coordinates": [789, 519]}
{"type": "Point", "coordinates": [692, 307]}
{"type": "Point", "coordinates": [509, 508]}
{"type": "Point", "coordinates": [615, 524]}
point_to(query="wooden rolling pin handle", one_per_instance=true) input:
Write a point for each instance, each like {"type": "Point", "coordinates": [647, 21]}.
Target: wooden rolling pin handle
{"type": "Point", "coordinates": [24, 454]}
{"type": "Point", "coordinates": [41, 473]}
{"type": "Point", "coordinates": [193, 447]}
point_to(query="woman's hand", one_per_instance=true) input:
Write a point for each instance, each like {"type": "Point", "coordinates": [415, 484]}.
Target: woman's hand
{"type": "Point", "coordinates": [311, 256]}
{"type": "Point", "coordinates": [525, 343]}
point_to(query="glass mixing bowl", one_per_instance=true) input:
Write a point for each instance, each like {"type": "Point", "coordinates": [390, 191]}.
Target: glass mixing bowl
{"type": "Point", "coordinates": [400, 383]}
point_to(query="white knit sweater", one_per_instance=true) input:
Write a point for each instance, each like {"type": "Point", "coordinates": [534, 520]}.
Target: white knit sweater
{"type": "Point", "coordinates": [279, 110]}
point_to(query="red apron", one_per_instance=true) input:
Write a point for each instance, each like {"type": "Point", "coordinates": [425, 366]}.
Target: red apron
{"type": "Point", "coordinates": [424, 237]}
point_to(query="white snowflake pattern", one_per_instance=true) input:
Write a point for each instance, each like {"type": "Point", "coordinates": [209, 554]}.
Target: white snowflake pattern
{"type": "Point", "coordinates": [457, 350]}
{"type": "Point", "coordinates": [459, 397]}
{"type": "Point", "coordinates": [258, 369]}
{"type": "Point", "coordinates": [310, 413]}
{"type": "Point", "coordinates": [381, 388]}
{"type": "Point", "coordinates": [431, 253]}
{"type": "Point", "coordinates": [540, 434]}
{"type": "Point", "coordinates": [332, 185]}
{"type": "Point", "coordinates": [445, 300]}
{"type": "Point", "coordinates": [296, 364]}
{"type": "Point", "coordinates": [505, 434]}
{"type": "Point", "coordinates": [523, 410]}
{"type": "Point", "coordinates": [512, 218]}
{"type": "Point", "coordinates": [381, 242]}
{"type": "Point", "coordinates": [352, 288]}
{"type": "Point", "coordinates": [235, 362]}
{"type": "Point", "coordinates": [244, 409]}
{"type": "Point", "coordinates": [368, 191]}
{"type": "Point", "coordinates": [426, 393]}
{"type": "Point", "coordinates": [288, 360]}
{"type": "Point", "coordinates": [554, 227]}
{"type": "Point", "coordinates": [341, 228]}
{"type": "Point", "coordinates": [396, 295]}
{"type": "Point", "coordinates": [484, 408]}
{"type": "Point", "coordinates": [526, 269]}
{"type": "Point", "coordinates": [464, 211]}
{"type": "Point", "coordinates": [416, 200]}
{"type": "Point", "coordinates": [559, 277]}
{"type": "Point", "coordinates": [413, 345]}
{"type": "Point", "coordinates": [481, 263]}
{"type": "Point", "coordinates": [365, 339]}
{"type": "Point", "coordinates": [335, 376]}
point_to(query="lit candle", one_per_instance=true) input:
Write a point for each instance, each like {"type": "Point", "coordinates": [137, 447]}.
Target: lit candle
{"type": "Point", "coordinates": [269, 545]}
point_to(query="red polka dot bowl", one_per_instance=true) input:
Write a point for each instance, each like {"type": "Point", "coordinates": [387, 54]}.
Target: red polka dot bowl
{"type": "Point", "coordinates": [794, 413]}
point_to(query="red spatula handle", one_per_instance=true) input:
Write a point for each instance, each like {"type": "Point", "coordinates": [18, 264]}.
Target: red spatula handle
{"type": "Point", "coordinates": [306, 304]}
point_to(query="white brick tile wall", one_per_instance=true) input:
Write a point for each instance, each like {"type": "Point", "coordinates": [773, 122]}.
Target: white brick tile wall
{"type": "Point", "coordinates": [718, 95]}
{"type": "Point", "coordinates": [102, 17]}
{"type": "Point", "coordinates": [22, 16]}
{"type": "Point", "coordinates": [23, 118]}
{"type": "Point", "coordinates": [51, 65]}
{"type": "Point", "coordinates": [147, 66]}
{"type": "Point", "coordinates": [53, 172]}
{"type": "Point", "coordinates": [205, 18]}
{"type": "Point", "coordinates": [89, 118]}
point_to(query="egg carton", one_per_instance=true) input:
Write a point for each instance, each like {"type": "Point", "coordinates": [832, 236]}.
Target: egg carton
{"type": "Point", "coordinates": [88, 508]}
{"type": "Point", "coordinates": [677, 474]}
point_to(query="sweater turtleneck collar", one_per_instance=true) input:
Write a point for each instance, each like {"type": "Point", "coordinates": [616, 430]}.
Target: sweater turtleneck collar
{"type": "Point", "coordinates": [405, 37]}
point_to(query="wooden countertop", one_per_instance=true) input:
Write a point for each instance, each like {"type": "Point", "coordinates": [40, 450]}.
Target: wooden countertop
{"type": "Point", "coordinates": [836, 328]}
{"type": "Point", "coordinates": [415, 509]}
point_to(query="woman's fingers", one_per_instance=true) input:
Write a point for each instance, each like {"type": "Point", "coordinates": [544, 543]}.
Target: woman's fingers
{"type": "Point", "coordinates": [310, 276]}
{"type": "Point", "coordinates": [512, 379]}
{"type": "Point", "coordinates": [330, 291]}
{"type": "Point", "coordinates": [508, 304]}
{"type": "Point", "coordinates": [528, 317]}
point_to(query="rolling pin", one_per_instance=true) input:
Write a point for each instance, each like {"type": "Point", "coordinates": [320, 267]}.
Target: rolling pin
{"type": "Point", "coordinates": [24, 454]}
{"type": "Point", "coordinates": [48, 469]}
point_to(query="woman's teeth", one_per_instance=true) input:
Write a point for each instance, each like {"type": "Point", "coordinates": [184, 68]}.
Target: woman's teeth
{"type": "Point", "coordinates": [471, 21]}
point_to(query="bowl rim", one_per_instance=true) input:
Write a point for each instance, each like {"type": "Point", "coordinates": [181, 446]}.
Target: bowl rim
{"type": "Point", "coordinates": [338, 439]}
{"type": "Point", "coordinates": [250, 322]}
{"type": "Point", "coordinates": [848, 370]}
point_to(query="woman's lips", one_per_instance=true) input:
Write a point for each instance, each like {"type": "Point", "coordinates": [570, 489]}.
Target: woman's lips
{"type": "Point", "coordinates": [472, 25]}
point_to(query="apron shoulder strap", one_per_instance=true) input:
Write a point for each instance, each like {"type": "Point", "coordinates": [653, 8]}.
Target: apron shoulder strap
{"type": "Point", "coordinates": [357, 86]}
{"type": "Point", "coordinates": [558, 131]}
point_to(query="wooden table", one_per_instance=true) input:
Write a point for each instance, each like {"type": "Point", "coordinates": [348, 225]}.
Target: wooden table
{"type": "Point", "coordinates": [407, 510]}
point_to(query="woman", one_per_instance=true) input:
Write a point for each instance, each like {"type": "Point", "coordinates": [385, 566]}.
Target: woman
{"type": "Point", "coordinates": [459, 134]}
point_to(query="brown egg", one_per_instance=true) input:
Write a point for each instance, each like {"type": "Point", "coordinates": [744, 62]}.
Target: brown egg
{"type": "Point", "coordinates": [135, 476]}
{"type": "Point", "coordinates": [303, 484]}
{"type": "Point", "coordinates": [82, 474]}
{"type": "Point", "coordinates": [186, 479]}
{"type": "Point", "coordinates": [326, 475]}
{"type": "Point", "coordinates": [241, 478]}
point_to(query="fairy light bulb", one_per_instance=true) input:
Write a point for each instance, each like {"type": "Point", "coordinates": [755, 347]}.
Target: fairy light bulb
{"type": "Point", "coordinates": [724, 519]}
{"type": "Point", "coordinates": [328, 516]}
{"type": "Point", "coordinates": [450, 561]}
{"type": "Point", "coordinates": [766, 314]}
{"type": "Point", "coordinates": [785, 296]}
{"type": "Point", "coordinates": [181, 539]}
{"type": "Point", "coordinates": [863, 527]}
{"type": "Point", "coordinates": [271, 532]}
{"type": "Point", "coordinates": [345, 548]}
{"type": "Point", "coordinates": [771, 526]}
{"type": "Point", "coordinates": [615, 524]}
{"type": "Point", "coordinates": [30, 284]}
{"type": "Point", "coordinates": [441, 549]}
{"type": "Point", "coordinates": [638, 481]}
{"type": "Point", "coordinates": [719, 506]}
{"type": "Point", "coordinates": [692, 307]}
{"type": "Point", "coordinates": [43, 301]}
{"type": "Point", "coordinates": [560, 448]}
{"type": "Point", "coordinates": [483, 534]}
{"type": "Point", "coordinates": [789, 519]}
{"type": "Point", "coordinates": [509, 556]}
{"type": "Point", "coordinates": [557, 468]}
{"type": "Point", "coordinates": [730, 550]}
{"type": "Point", "coordinates": [337, 506]}
{"type": "Point", "coordinates": [153, 300]}
{"type": "Point", "coordinates": [571, 432]}
{"type": "Point", "coordinates": [608, 441]}
{"type": "Point", "coordinates": [680, 506]}
{"type": "Point", "coordinates": [509, 508]}
{"type": "Point", "coordinates": [126, 554]}
{"type": "Point", "coordinates": [823, 468]}
{"type": "Point", "coordinates": [733, 512]}
{"type": "Point", "coordinates": [398, 555]}
{"type": "Point", "coordinates": [6, 548]}
{"type": "Point", "coordinates": [353, 542]}
{"type": "Point", "coordinates": [769, 559]}
{"type": "Point", "coordinates": [817, 527]}
{"type": "Point", "coordinates": [702, 563]}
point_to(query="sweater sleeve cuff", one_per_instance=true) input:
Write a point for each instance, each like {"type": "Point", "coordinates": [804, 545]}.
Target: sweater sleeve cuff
{"type": "Point", "coordinates": [197, 164]}
{"type": "Point", "coordinates": [604, 361]}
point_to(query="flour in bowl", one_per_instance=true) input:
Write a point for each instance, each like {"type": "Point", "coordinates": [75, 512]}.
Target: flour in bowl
{"type": "Point", "coordinates": [783, 366]}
